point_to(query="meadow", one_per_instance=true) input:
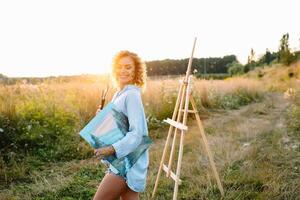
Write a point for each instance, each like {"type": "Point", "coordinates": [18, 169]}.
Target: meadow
{"type": "Point", "coordinates": [252, 123]}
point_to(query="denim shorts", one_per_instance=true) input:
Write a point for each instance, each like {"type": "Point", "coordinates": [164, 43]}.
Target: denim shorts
{"type": "Point", "coordinates": [109, 171]}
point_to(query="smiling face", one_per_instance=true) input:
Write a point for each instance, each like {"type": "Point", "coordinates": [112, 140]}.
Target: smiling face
{"type": "Point", "coordinates": [125, 71]}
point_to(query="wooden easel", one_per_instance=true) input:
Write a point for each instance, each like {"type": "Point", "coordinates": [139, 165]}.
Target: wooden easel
{"type": "Point", "coordinates": [184, 98]}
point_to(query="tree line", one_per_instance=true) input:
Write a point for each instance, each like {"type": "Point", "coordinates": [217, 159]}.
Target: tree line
{"type": "Point", "coordinates": [154, 68]}
{"type": "Point", "coordinates": [200, 65]}
{"type": "Point", "coordinates": [284, 56]}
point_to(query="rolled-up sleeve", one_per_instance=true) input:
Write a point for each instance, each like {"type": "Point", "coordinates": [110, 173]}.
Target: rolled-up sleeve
{"type": "Point", "coordinates": [136, 115]}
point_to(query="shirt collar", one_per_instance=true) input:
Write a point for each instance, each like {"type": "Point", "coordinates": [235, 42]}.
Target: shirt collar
{"type": "Point", "coordinates": [129, 87]}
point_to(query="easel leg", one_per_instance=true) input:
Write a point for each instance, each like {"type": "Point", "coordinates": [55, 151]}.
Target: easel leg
{"type": "Point", "coordinates": [175, 132]}
{"type": "Point", "coordinates": [210, 157]}
{"type": "Point", "coordinates": [185, 115]}
{"type": "Point", "coordinates": [167, 141]}
{"type": "Point", "coordinates": [178, 165]}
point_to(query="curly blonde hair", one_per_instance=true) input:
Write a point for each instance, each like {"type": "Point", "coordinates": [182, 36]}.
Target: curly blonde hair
{"type": "Point", "coordinates": [140, 68]}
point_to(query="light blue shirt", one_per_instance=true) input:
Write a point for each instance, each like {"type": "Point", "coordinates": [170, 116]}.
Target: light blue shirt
{"type": "Point", "coordinates": [129, 101]}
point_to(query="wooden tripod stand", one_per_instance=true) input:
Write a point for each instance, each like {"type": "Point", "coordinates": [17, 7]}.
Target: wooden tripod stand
{"type": "Point", "coordinates": [184, 98]}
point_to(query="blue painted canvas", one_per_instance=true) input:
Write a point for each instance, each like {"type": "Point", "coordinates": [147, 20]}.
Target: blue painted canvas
{"type": "Point", "coordinates": [106, 128]}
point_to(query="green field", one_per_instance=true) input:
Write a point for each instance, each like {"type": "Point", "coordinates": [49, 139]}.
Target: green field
{"type": "Point", "coordinates": [252, 123]}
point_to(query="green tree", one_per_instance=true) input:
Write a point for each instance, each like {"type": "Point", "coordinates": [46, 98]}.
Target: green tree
{"type": "Point", "coordinates": [284, 54]}
{"type": "Point", "coordinates": [251, 57]}
{"type": "Point", "coordinates": [251, 61]}
{"type": "Point", "coordinates": [268, 57]}
{"type": "Point", "coordinates": [235, 68]}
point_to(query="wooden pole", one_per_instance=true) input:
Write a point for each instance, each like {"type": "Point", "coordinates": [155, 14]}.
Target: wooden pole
{"type": "Point", "coordinates": [185, 114]}
{"type": "Point", "coordinates": [188, 71]}
{"type": "Point", "coordinates": [175, 132]}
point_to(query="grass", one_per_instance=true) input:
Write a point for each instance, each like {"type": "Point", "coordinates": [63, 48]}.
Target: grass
{"type": "Point", "coordinates": [62, 180]}
{"type": "Point", "coordinates": [253, 156]}
{"type": "Point", "coordinates": [277, 77]}
{"type": "Point", "coordinates": [253, 133]}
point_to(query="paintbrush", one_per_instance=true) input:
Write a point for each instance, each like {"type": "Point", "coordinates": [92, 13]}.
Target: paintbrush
{"type": "Point", "coordinates": [103, 96]}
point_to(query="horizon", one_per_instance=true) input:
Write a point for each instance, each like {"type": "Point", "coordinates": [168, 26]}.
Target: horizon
{"type": "Point", "coordinates": [42, 39]}
{"type": "Point", "coordinates": [95, 74]}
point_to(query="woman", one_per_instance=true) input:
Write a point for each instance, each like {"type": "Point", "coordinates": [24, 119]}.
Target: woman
{"type": "Point", "coordinates": [129, 74]}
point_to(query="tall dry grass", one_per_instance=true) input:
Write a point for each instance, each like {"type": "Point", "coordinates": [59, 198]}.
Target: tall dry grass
{"type": "Point", "coordinates": [277, 77]}
{"type": "Point", "coordinates": [39, 124]}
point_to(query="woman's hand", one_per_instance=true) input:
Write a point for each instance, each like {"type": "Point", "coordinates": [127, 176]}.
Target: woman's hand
{"type": "Point", "coordinates": [104, 151]}
{"type": "Point", "coordinates": [98, 110]}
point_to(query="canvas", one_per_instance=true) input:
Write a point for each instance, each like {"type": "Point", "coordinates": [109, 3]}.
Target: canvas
{"type": "Point", "coordinates": [106, 128]}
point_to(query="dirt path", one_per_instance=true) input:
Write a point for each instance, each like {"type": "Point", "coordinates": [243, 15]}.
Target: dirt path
{"type": "Point", "coordinates": [240, 140]}
{"type": "Point", "coordinates": [244, 124]}
{"type": "Point", "coordinates": [233, 131]}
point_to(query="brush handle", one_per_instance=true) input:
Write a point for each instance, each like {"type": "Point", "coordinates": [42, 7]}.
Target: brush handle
{"type": "Point", "coordinates": [102, 103]}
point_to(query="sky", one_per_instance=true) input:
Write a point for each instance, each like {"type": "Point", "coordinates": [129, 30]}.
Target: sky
{"type": "Point", "coordinates": [69, 37]}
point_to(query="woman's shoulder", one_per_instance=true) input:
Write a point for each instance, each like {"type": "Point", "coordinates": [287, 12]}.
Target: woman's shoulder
{"type": "Point", "coordinates": [129, 90]}
{"type": "Point", "coordinates": [133, 96]}
{"type": "Point", "coordinates": [132, 90]}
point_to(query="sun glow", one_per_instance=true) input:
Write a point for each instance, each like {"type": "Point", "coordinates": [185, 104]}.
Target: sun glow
{"type": "Point", "coordinates": [82, 37]}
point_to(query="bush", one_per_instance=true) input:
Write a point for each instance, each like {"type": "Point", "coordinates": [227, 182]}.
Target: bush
{"type": "Point", "coordinates": [48, 131]}
{"type": "Point", "coordinates": [234, 100]}
{"type": "Point", "coordinates": [235, 68]}
{"type": "Point", "coordinates": [212, 76]}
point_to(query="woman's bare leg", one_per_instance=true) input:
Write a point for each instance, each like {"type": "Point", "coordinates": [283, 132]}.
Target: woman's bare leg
{"type": "Point", "coordinates": [110, 188]}
{"type": "Point", "coordinates": [129, 195]}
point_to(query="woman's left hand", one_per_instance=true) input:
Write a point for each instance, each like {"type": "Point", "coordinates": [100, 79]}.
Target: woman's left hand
{"type": "Point", "coordinates": [104, 151]}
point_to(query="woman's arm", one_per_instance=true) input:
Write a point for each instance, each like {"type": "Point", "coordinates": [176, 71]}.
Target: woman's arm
{"type": "Point", "coordinates": [104, 151]}
{"type": "Point", "coordinates": [137, 125]}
